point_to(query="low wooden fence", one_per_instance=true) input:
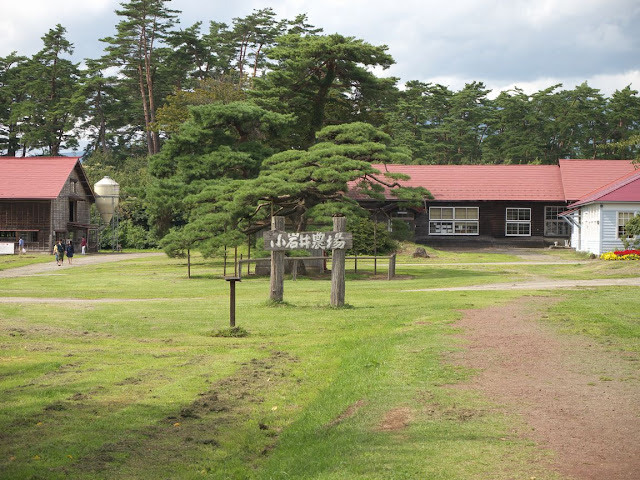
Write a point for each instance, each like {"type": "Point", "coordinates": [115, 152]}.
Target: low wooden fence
{"type": "Point", "coordinates": [391, 262]}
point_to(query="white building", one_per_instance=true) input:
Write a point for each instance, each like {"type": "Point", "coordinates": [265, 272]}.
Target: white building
{"type": "Point", "coordinates": [598, 219]}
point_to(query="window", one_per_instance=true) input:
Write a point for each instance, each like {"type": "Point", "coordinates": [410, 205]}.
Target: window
{"type": "Point", "coordinates": [518, 222]}
{"type": "Point", "coordinates": [623, 218]}
{"type": "Point", "coordinates": [553, 225]}
{"type": "Point", "coordinates": [453, 220]}
{"type": "Point", "coordinates": [72, 211]}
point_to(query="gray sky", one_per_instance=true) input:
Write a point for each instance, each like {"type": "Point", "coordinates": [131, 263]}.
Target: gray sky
{"type": "Point", "coordinates": [532, 44]}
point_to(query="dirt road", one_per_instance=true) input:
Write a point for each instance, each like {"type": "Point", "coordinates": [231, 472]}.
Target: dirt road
{"type": "Point", "coordinates": [577, 399]}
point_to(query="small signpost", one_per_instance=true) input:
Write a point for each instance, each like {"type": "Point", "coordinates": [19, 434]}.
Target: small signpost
{"type": "Point", "coordinates": [232, 299]}
{"type": "Point", "coordinates": [338, 241]}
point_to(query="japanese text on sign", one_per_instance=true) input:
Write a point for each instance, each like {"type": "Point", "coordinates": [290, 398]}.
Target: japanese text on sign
{"type": "Point", "coordinates": [307, 240]}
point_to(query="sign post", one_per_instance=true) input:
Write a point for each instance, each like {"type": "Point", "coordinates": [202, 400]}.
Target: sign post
{"type": "Point", "coordinates": [276, 285]}
{"type": "Point", "coordinates": [338, 241]}
{"type": "Point", "coordinates": [338, 266]}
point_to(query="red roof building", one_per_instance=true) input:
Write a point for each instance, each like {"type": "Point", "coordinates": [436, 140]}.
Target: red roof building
{"type": "Point", "coordinates": [515, 204]}
{"type": "Point", "coordinates": [43, 199]}
{"type": "Point", "coordinates": [35, 177]}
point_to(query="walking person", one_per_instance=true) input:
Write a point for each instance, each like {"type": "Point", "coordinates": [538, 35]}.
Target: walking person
{"type": "Point", "coordinates": [70, 251]}
{"type": "Point", "coordinates": [21, 248]}
{"type": "Point", "coordinates": [83, 244]}
{"type": "Point", "coordinates": [55, 253]}
{"type": "Point", "coordinates": [60, 253]}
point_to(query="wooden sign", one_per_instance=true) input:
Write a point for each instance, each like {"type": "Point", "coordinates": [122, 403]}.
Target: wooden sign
{"type": "Point", "coordinates": [275, 240]}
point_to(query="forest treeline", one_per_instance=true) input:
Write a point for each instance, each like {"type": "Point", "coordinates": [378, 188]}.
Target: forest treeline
{"type": "Point", "coordinates": [188, 119]}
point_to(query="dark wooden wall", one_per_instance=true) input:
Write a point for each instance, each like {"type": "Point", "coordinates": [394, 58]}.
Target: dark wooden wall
{"type": "Point", "coordinates": [27, 215]}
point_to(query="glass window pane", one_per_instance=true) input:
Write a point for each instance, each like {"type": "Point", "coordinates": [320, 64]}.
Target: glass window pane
{"type": "Point", "coordinates": [435, 213]}
{"type": "Point", "coordinates": [447, 213]}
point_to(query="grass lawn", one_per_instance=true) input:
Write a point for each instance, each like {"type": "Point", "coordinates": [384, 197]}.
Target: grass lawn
{"type": "Point", "coordinates": [125, 380]}
{"type": "Point", "coordinates": [13, 261]}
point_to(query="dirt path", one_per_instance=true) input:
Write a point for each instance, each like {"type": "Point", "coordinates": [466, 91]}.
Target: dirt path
{"type": "Point", "coordinates": [78, 261]}
{"type": "Point", "coordinates": [577, 399]}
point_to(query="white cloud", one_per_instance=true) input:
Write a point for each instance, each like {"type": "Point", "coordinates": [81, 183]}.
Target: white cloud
{"type": "Point", "coordinates": [532, 44]}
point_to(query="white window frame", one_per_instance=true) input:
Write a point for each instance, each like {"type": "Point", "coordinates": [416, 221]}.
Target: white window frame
{"type": "Point", "coordinates": [523, 219]}
{"type": "Point", "coordinates": [457, 221]}
{"type": "Point", "coordinates": [554, 224]}
{"type": "Point", "coordinates": [620, 231]}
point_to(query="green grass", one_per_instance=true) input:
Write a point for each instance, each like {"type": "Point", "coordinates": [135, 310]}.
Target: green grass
{"type": "Point", "coordinates": [612, 317]}
{"type": "Point", "coordinates": [13, 261]}
{"type": "Point", "coordinates": [137, 386]}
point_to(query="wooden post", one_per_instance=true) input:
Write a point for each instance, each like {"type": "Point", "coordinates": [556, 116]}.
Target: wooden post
{"type": "Point", "coordinates": [277, 265]}
{"type": "Point", "coordinates": [232, 299]}
{"type": "Point", "coordinates": [392, 267]}
{"type": "Point", "coordinates": [232, 304]}
{"type": "Point", "coordinates": [338, 266]}
{"type": "Point", "coordinates": [188, 263]}
{"type": "Point", "coordinates": [249, 254]}
{"type": "Point", "coordinates": [375, 246]}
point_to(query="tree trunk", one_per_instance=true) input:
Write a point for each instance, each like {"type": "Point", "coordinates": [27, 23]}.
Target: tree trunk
{"type": "Point", "coordinates": [145, 108]}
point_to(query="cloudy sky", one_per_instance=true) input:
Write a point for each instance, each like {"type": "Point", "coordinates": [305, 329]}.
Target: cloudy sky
{"type": "Point", "coordinates": [532, 44]}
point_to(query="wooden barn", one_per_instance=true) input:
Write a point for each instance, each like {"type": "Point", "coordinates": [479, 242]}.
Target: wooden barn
{"type": "Point", "coordinates": [495, 204]}
{"type": "Point", "coordinates": [43, 199]}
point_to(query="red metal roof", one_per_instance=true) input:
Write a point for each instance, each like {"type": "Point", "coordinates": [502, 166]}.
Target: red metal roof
{"type": "Point", "coordinates": [624, 189]}
{"type": "Point", "coordinates": [35, 178]}
{"type": "Point", "coordinates": [580, 177]}
{"type": "Point", "coordinates": [484, 182]}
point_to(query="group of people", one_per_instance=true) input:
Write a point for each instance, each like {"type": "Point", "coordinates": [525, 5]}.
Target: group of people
{"type": "Point", "coordinates": [60, 250]}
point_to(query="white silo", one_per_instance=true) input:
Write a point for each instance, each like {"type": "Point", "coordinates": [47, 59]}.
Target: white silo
{"type": "Point", "coordinates": [107, 192]}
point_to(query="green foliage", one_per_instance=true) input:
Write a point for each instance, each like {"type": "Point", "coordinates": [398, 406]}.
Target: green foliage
{"type": "Point", "coordinates": [314, 75]}
{"type": "Point", "coordinates": [401, 231]}
{"type": "Point", "coordinates": [370, 238]}
{"type": "Point", "coordinates": [632, 227]}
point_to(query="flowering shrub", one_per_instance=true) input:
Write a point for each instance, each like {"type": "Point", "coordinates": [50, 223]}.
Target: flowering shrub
{"type": "Point", "coordinates": [621, 255]}
{"type": "Point", "coordinates": [627, 252]}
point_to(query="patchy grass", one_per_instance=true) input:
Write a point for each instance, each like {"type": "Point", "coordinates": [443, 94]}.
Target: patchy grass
{"type": "Point", "coordinates": [13, 261]}
{"type": "Point", "coordinates": [135, 386]}
{"type": "Point", "coordinates": [612, 317]}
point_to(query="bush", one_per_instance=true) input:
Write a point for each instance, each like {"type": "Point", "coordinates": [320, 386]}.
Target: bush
{"type": "Point", "coordinates": [621, 255]}
{"type": "Point", "coordinates": [364, 232]}
{"type": "Point", "coordinates": [401, 231]}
